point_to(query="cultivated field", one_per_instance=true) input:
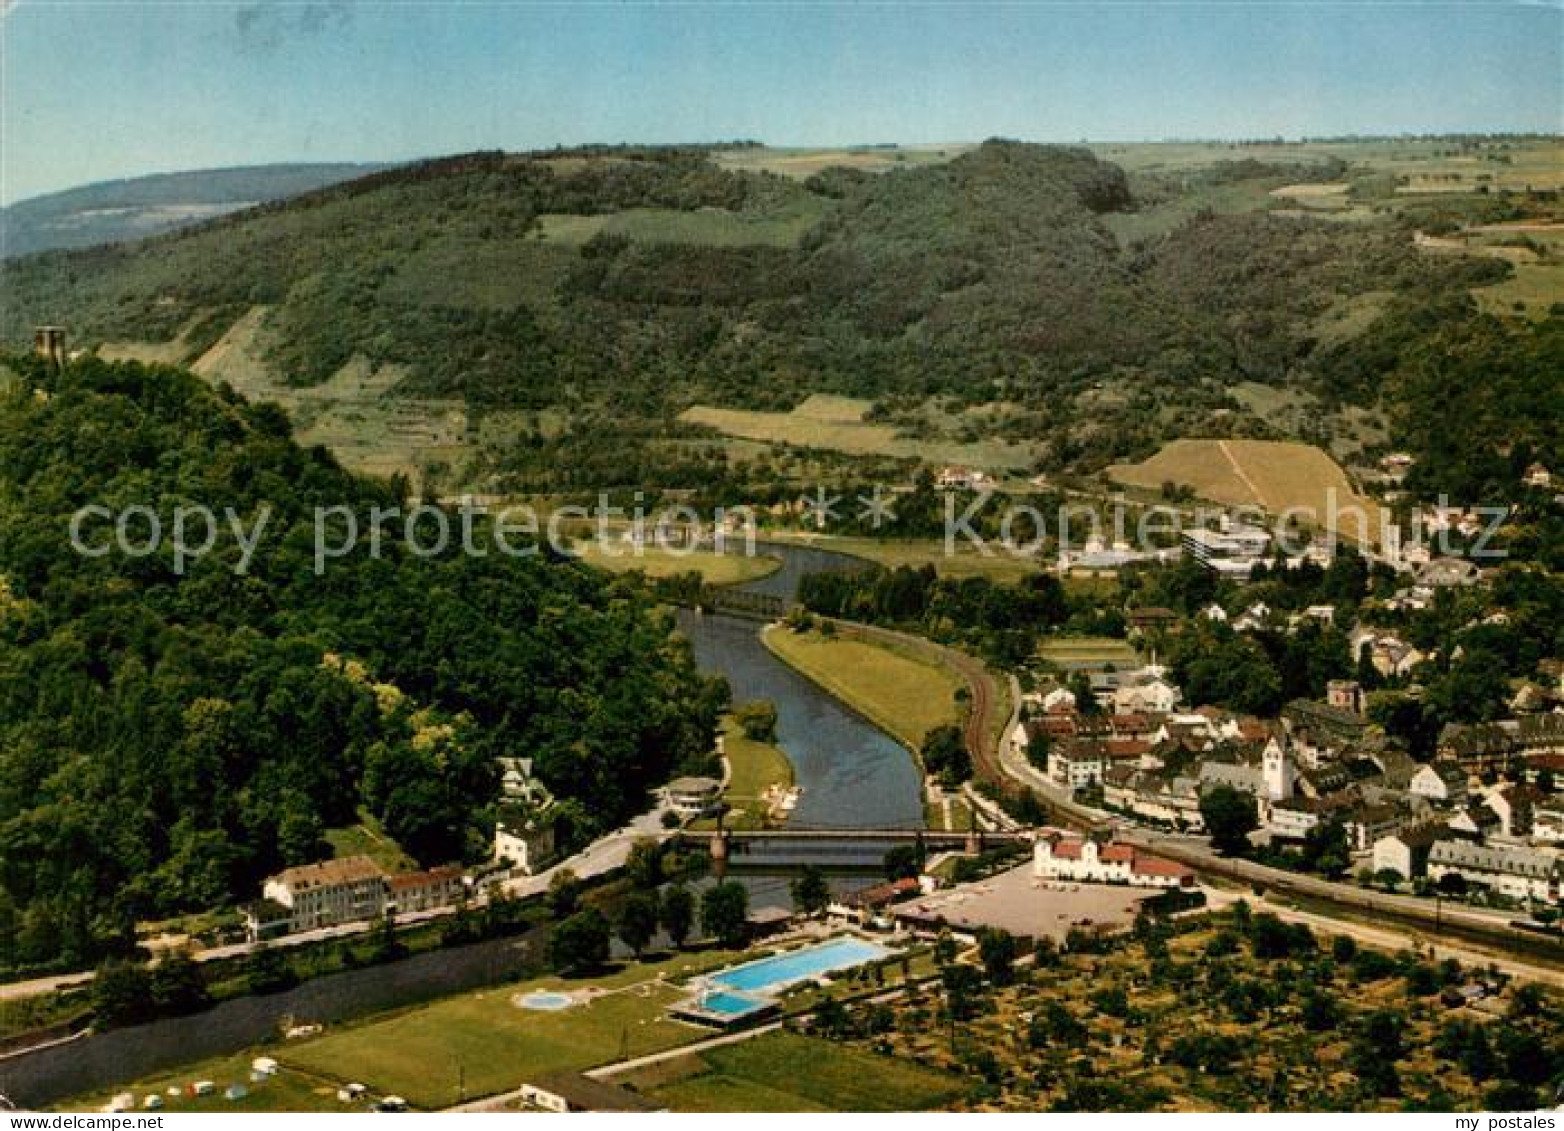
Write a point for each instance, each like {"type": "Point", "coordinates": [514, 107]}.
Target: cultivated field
{"type": "Point", "coordinates": [789, 1072]}
{"type": "Point", "coordinates": [712, 227]}
{"type": "Point", "coordinates": [1075, 652]}
{"type": "Point", "coordinates": [1274, 475]}
{"type": "Point", "coordinates": [355, 414]}
{"type": "Point", "coordinates": [1534, 290]}
{"type": "Point", "coordinates": [1201, 1020]}
{"type": "Point", "coordinates": [905, 697]}
{"type": "Point", "coordinates": [837, 424]}
{"type": "Point", "coordinates": [804, 163]}
{"type": "Point", "coordinates": [654, 562]}
{"type": "Point", "coordinates": [1433, 165]}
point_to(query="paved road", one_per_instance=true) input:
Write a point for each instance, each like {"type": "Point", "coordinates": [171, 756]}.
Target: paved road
{"type": "Point", "coordinates": [13, 991]}
{"type": "Point", "coordinates": [601, 856]}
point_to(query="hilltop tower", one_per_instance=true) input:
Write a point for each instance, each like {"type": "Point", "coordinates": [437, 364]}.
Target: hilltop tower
{"type": "Point", "coordinates": [49, 344]}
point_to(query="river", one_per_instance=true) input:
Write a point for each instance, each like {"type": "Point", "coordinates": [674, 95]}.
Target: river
{"type": "Point", "coordinates": [853, 774]}
{"type": "Point", "coordinates": [102, 1060]}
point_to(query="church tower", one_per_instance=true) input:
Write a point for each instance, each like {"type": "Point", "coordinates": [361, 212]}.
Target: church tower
{"type": "Point", "coordinates": [1278, 772]}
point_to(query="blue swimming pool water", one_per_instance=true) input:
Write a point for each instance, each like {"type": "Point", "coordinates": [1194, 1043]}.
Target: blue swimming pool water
{"type": "Point", "coordinates": [729, 1005]}
{"type": "Point", "coordinates": [545, 1000]}
{"type": "Point", "coordinates": [768, 975]}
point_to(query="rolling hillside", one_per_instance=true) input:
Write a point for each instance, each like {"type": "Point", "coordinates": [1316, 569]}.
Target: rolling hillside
{"type": "Point", "coordinates": [132, 209]}
{"type": "Point", "coordinates": [540, 321]}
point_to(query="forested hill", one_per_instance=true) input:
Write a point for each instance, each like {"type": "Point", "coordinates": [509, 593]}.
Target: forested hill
{"type": "Point", "coordinates": [167, 740]}
{"type": "Point", "coordinates": [534, 280]}
{"type": "Point", "coordinates": [615, 287]}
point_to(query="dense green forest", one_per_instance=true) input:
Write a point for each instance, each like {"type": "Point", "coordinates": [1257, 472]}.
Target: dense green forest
{"type": "Point", "coordinates": [1002, 623]}
{"type": "Point", "coordinates": [609, 283]}
{"type": "Point", "coordinates": [168, 739]}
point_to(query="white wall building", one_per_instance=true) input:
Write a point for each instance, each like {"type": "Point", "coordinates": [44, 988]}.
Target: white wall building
{"type": "Point", "coordinates": [1520, 873]}
{"type": "Point", "coordinates": [348, 890]}
{"type": "Point", "coordinates": [525, 843]}
{"type": "Point", "coordinates": [1061, 856]}
{"type": "Point", "coordinates": [1443, 783]}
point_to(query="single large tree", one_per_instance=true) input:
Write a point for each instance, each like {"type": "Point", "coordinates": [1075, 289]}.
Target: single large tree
{"type": "Point", "coordinates": [1230, 816]}
{"type": "Point", "coordinates": [725, 913]}
{"type": "Point", "coordinates": [962, 984]}
{"type": "Point", "coordinates": [758, 719]}
{"type": "Point", "coordinates": [678, 914]}
{"type": "Point", "coordinates": [636, 923]}
{"type": "Point", "coordinates": [945, 755]}
{"type": "Point", "coordinates": [121, 994]}
{"type": "Point", "coordinates": [580, 942]}
{"type": "Point", "coordinates": [811, 892]}
{"type": "Point", "coordinates": [997, 948]}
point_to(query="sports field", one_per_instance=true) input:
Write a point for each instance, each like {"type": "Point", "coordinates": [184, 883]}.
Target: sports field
{"type": "Point", "coordinates": [485, 1039]}
{"type": "Point", "coordinates": [1072, 653]}
{"type": "Point", "coordinates": [905, 697]}
{"type": "Point", "coordinates": [789, 1072]}
{"type": "Point", "coordinates": [837, 424]}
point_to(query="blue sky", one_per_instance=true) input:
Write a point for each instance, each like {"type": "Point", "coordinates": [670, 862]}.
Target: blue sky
{"type": "Point", "coordinates": [99, 90]}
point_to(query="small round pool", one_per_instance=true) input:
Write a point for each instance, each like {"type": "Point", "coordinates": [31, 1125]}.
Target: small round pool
{"type": "Point", "coordinates": [545, 1000]}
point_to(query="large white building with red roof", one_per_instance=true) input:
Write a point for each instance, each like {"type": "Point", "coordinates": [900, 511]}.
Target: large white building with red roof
{"type": "Point", "coordinates": [1059, 855]}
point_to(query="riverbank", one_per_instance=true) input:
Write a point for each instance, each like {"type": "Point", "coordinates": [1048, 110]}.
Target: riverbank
{"type": "Point", "coordinates": [904, 696]}
{"type": "Point", "coordinates": [965, 561]}
{"type": "Point", "coordinates": [851, 773]}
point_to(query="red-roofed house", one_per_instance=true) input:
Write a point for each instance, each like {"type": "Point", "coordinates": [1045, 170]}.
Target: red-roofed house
{"type": "Point", "coordinates": [420, 891]}
{"type": "Point", "coordinates": [1066, 856]}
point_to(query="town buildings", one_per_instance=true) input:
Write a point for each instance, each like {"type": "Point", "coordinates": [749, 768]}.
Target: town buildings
{"type": "Point", "coordinates": [523, 841]}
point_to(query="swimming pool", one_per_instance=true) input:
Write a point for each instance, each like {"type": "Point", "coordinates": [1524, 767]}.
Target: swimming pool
{"type": "Point", "coordinates": [546, 1000]}
{"type": "Point", "coordinates": [729, 1004]}
{"type": "Point", "coordinates": [770, 975]}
